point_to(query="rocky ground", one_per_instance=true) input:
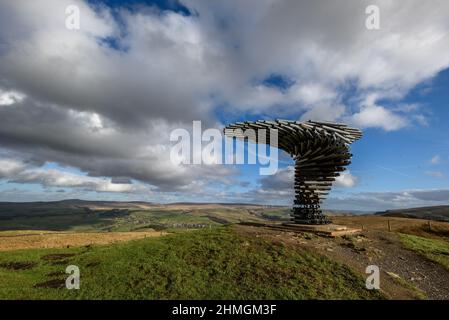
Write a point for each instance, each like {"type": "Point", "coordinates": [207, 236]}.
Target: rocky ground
{"type": "Point", "coordinates": [405, 274]}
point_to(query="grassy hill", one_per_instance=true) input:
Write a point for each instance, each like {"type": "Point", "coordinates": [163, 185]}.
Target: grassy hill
{"type": "Point", "coordinates": [215, 263]}
{"type": "Point", "coordinates": [439, 213]}
{"type": "Point", "coordinates": [137, 250]}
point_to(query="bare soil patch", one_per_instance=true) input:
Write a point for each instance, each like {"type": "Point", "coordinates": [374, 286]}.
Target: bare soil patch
{"type": "Point", "coordinates": [57, 256]}
{"type": "Point", "coordinates": [18, 265]}
{"type": "Point", "coordinates": [56, 274]}
{"type": "Point", "coordinates": [51, 284]}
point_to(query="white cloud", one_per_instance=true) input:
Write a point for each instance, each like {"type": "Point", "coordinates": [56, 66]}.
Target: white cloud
{"type": "Point", "coordinates": [435, 159]}
{"type": "Point", "coordinates": [312, 93]}
{"type": "Point", "coordinates": [330, 52]}
{"type": "Point", "coordinates": [374, 116]}
{"type": "Point", "coordinates": [345, 179]}
{"type": "Point", "coordinates": [89, 119]}
{"type": "Point", "coordinates": [10, 167]}
{"type": "Point", "coordinates": [324, 113]}
{"type": "Point", "coordinates": [8, 98]}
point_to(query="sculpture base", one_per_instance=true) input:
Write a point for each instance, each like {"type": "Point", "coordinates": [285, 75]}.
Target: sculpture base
{"type": "Point", "coordinates": [317, 221]}
{"type": "Point", "coordinates": [328, 230]}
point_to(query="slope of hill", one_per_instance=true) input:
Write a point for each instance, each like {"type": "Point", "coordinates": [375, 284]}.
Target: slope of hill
{"type": "Point", "coordinates": [226, 257]}
{"type": "Point", "coordinates": [439, 213]}
{"type": "Point", "coordinates": [219, 263]}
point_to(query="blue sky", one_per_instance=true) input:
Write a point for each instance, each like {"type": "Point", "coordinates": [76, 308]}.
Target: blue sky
{"type": "Point", "coordinates": [88, 113]}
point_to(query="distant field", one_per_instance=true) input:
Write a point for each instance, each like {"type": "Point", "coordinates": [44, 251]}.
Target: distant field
{"type": "Point", "coordinates": [82, 216]}
{"type": "Point", "coordinates": [10, 241]}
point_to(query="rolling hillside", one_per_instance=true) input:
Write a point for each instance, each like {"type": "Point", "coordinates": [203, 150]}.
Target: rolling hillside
{"type": "Point", "coordinates": [201, 251]}
{"type": "Point", "coordinates": [438, 213]}
{"type": "Point", "coordinates": [220, 263]}
{"type": "Point", "coordinates": [79, 215]}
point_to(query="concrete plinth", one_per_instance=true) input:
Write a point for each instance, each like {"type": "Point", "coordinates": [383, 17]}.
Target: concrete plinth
{"type": "Point", "coordinates": [328, 230]}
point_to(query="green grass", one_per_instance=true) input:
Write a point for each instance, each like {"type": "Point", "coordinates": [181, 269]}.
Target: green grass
{"type": "Point", "coordinates": [432, 249]}
{"type": "Point", "coordinates": [201, 264]}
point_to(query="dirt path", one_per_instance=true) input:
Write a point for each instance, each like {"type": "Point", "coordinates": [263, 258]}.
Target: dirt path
{"type": "Point", "coordinates": [426, 275]}
{"type": "Point", "coordinates": [380, 248]}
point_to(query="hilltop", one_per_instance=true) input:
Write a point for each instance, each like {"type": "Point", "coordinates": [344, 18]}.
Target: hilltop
{"type": "Point", "coordinates": [207, 250]}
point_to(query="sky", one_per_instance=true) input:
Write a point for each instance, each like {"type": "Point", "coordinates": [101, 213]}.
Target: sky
{"type": "Point", "coordinates": [87, 113]}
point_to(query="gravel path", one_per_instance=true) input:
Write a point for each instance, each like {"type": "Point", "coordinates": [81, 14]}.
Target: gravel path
{"type": "Point", "coordinates": [426, 275]}
{"type": "Point", "coordinates": [380, 248]}
{"type": "Point", "coordinates": [385, 250]}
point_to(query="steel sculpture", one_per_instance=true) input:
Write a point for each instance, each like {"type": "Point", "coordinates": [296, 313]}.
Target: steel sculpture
{"type": "Point", "coordinates": [320, 151]}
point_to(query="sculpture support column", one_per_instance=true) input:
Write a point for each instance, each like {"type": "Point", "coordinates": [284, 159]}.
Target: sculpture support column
{"type": "Point", "coordinates": [306, 205]}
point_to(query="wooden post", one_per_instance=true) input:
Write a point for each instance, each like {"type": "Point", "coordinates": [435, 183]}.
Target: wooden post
{"type": "Point", "coordinates": [389, 225]}
{"type": "Point", "coordinates": [430, 225]}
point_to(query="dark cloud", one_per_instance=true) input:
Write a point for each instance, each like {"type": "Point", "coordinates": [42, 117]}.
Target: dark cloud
{"type": "Point", "coordinates": [67, 97]}
{"type": "Point", "coordinates": [281, 181]}
{"type": "Point", "coordinates": [431, 195]}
